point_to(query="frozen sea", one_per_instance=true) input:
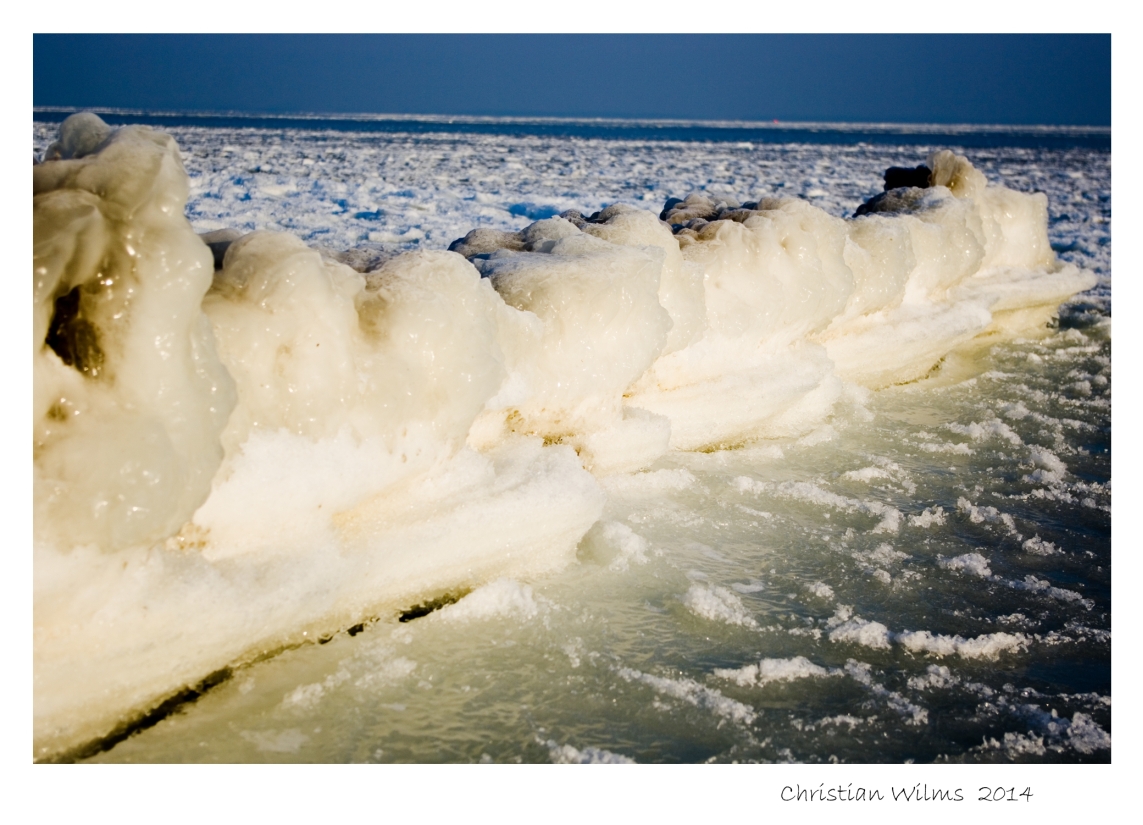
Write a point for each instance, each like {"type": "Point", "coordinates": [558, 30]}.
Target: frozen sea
{"type": "Point", "coordinates": [926, 576]}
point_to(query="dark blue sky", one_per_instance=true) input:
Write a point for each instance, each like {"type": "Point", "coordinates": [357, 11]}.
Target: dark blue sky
{"type": "Point", "coordinates": [1016, 79]}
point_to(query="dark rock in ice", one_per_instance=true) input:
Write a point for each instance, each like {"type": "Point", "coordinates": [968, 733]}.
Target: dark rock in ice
{"type": "Point", "coordinates": [219, 241]}
{"type": "Point", "coordinates": [575, 218]}
{"type": "Point", "coordinates": [699, 210]}
{"type": "Point", "coordinates": [81, 134]}
{"type": "Point", "coordinates": [364, 259]}
{"type": "Point", "coordinates": [73, 337]}
{"type": "Point", "coordinates": [483, 241]}
{"type": "Point", "coordinates": [680, 212]}
{"type": "Point", "coordinates": [540, 236]}
{"type": "Point", "coordinates": [481, 245]}
{"type": "Point", "coordinates": [904, 199]}
{"type": "Point", "coordinates": [899, 177]}
{"type": "Point", "coordinates": [606, 214]}
{"type": "Point", "coordinates": [668, 206]}
{"type": "Point", "coordinates": [904, 187]}
{"type": "Point", "coordinates": [737, 215]}
{"type": "Point", "coordinates": [578, 219]}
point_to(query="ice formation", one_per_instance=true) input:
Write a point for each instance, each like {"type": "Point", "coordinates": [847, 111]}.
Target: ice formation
{"type": "Point", "coordinates": [242, 443]}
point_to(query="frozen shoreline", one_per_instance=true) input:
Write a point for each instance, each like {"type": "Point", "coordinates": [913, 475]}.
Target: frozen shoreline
{"type": "Point", "coordinates": [271, 203]}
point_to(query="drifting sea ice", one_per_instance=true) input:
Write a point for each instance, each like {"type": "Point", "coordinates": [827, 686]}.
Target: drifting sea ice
{"type": "Point", "coordinates": [364, 478]}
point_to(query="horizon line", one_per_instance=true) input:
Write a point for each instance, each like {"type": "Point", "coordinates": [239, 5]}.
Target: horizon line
{"type": "Point", "coordinates": [723, 123]}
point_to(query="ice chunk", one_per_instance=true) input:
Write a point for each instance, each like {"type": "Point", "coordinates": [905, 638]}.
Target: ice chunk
{"type": "Point", "coordinates": [973, 563]}
{"type": "Point", "coordinates": [81, 134]}
{"type": "Point", "coordinates": [774, 670]}
{"type": "Point", "coordinates": [503, 597]}
{"type": "Point", "coordinates": [129, 394]}
{"type": "Point", "coordinates": [718, 604]}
